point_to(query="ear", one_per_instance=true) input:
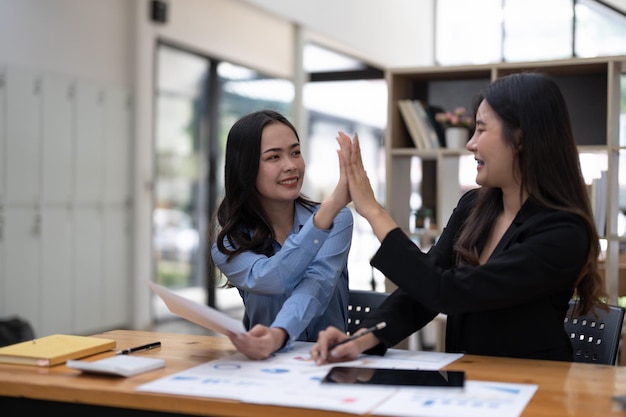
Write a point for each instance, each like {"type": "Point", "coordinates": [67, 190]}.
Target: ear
{"type": "Point", "coordinates": [519, 139]}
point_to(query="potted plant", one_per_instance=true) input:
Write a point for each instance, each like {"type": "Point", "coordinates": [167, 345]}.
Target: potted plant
{"type": "Point", "coordinates": [457, 124]}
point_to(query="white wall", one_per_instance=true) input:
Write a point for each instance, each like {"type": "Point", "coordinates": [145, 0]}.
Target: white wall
{"type": "Point", "coordinates": [227, 29]}
{"type": "Point", "coordinates": [88, 39]}
{"type": "Point", "coordinates": [618, 4]}
{"type": "Point", "coordinates": [387, 33]}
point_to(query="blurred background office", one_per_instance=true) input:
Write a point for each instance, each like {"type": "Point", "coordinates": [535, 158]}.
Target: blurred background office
{"type": "Point", "coordinates": [113, 120]}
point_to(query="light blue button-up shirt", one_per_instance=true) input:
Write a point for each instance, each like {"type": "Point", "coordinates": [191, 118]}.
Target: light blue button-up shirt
{"type": "Point", "coordinates": [303, 287]}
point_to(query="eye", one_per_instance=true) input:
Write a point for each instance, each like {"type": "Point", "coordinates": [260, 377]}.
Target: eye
{"type": "Point", "coordinates": [296, 153]}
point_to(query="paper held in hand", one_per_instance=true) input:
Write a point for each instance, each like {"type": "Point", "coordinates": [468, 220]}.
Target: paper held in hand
{"type": "Point", "coordinates": [197, 313]}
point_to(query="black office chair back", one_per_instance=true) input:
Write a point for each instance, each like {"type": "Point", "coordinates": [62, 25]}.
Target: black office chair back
{"type": "Point", "coordinates": [15, 329]}
{"type": "Point", "coordinates": [360, 304]}
{"type": "Point", "coordinates": [595, 339]}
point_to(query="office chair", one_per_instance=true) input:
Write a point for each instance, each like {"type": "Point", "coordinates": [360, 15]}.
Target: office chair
{"type": "Point", "coordinates": [595, 339]}
{"type": "Point", "coordinates": [360, 304]}
{"type": "Point", "coordinates": [15, 329]}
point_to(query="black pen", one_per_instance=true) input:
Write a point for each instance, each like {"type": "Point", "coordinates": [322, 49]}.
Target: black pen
{"type": "Point", "coordinates": [138, 348]}
{"type": "Point", "coordinates": [379, 326]}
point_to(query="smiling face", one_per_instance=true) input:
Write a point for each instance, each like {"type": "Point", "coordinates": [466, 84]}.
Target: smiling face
{"type": "Point", "coordinates": [281, 166]}
{"type": "Point", "coordinates": [495, 157]}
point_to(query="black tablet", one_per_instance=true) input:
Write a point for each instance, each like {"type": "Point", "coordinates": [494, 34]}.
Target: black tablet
{"type": "Point", "coordinates": [406, 377]}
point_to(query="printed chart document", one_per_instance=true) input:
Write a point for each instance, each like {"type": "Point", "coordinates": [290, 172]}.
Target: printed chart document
{"type": "Point", "coordinates": [197, 313]}
{"type": "Point", "coordinates": [291, 378]}
{"type": "Point", "coordinates": [477, 399]}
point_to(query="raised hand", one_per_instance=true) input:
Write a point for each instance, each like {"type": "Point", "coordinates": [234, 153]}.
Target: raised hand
{"type": "Point", "coordinates": [359, 184]}
{"type": "Point", "coordinates": [360, 188]}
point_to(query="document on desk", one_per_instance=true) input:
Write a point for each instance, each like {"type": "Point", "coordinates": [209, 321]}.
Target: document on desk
{"type": "Point", "coordinates": [292, 379]}
{"type": "Point", "coordinates": [197, 313]}
{"type": "Point", "coordinates": [477, 399]}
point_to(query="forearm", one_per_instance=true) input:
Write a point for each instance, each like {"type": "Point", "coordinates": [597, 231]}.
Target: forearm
{"type": "Point", "coordinates": [380, 221]}
{"type": "Point", "coordinates": [296, 313]}
{"type": "Point", "coordinates": [277, 274]}
{"type": "Point", "coordinates": [326, 213]}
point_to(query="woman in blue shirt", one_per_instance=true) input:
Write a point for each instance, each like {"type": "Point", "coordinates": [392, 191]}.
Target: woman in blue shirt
{"type": "Point", "coordinates": [286, 254]}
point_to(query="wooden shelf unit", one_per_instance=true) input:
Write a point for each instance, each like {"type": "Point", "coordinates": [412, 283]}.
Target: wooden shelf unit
{"type": "Point", "coordinates": [591, 87]}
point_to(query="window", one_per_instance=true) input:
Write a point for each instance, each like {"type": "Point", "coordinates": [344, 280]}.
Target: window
{"type": "Point", "coordinates": [468, 32]}
{"type": "Point", "coordinates": [197, 100]}
{"type": "Point", "coordinates": [599, 30]}
{"type": "Point", "coordinates": [488, 31]}
{"type": "Point", "coordinates": [346, 94]}
{"type": "Point", "coordinates": [537, 36]}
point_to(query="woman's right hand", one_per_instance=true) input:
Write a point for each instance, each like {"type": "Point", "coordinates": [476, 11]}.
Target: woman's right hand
{"type": "Point", "coordinates": [341, 193]}
{"type": "Point", "coordinates": [338, 199]}
{"type": "Point", "coordinates": [351, 164]}
{"type": "Point", "coordinates": [345, 352]}
{"type": "Point", "coordinates": [361, 191]}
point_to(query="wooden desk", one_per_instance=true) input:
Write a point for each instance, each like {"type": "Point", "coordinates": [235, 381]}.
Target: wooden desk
{"type": "Point", "coordinates": [570, 389]}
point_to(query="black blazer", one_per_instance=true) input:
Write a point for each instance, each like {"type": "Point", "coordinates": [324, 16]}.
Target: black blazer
{"type": "Point", "coordinates": [513, 305]}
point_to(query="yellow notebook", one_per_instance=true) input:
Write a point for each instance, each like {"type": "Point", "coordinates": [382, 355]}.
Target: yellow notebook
{"type": "Point", "coordinates": [54, 349]}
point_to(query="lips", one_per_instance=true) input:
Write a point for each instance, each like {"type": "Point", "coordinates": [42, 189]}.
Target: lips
{"type": "Point", "coordinates": [289, 181]}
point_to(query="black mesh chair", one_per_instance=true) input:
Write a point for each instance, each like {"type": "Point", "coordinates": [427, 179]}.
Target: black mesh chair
{"type": "Point", "coordinates": [595, 339]}
{"type": "Point", "coordinates": [360, 304]}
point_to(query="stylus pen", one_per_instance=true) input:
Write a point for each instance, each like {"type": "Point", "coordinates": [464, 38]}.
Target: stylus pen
{"type": "Point", "coordinates": [355, 336]}
{"type": "Point", "coordinates": [149, 346]}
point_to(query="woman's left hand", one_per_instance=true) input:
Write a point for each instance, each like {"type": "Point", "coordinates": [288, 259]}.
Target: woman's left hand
{"type": "Point", "coordinates": [260, 342]}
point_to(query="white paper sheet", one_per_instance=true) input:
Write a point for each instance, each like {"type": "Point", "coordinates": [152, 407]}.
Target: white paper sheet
{"type": "Point", "coordinates": [200, 314]}
{"type": "Point", "coordinates": [292, 379]}
{"type": "Point", "coordinates": [477, 399]}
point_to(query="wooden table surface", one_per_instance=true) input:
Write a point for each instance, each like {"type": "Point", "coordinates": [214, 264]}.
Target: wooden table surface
{"type": "Point", "coordinates": [565, 389]}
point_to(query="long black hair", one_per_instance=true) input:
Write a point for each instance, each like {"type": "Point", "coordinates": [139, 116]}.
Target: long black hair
{"type": "Point", "coordinates": [532, 103]}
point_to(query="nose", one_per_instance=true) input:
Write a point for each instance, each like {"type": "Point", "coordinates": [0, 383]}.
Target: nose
{"type": "Point", "coordinates": [290, 165]}
{"type": "Point", "coordinates": [471, 144]}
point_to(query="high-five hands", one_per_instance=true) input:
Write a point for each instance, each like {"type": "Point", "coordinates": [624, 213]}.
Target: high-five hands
{"type": "Point", "coordinates": [361, 192]}
{"type": "Point", "coordinates": [351, 162]}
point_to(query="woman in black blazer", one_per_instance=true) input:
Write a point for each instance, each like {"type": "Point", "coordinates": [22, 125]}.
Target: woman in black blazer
{"type": "Point", "coordinates": [514, 250]}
